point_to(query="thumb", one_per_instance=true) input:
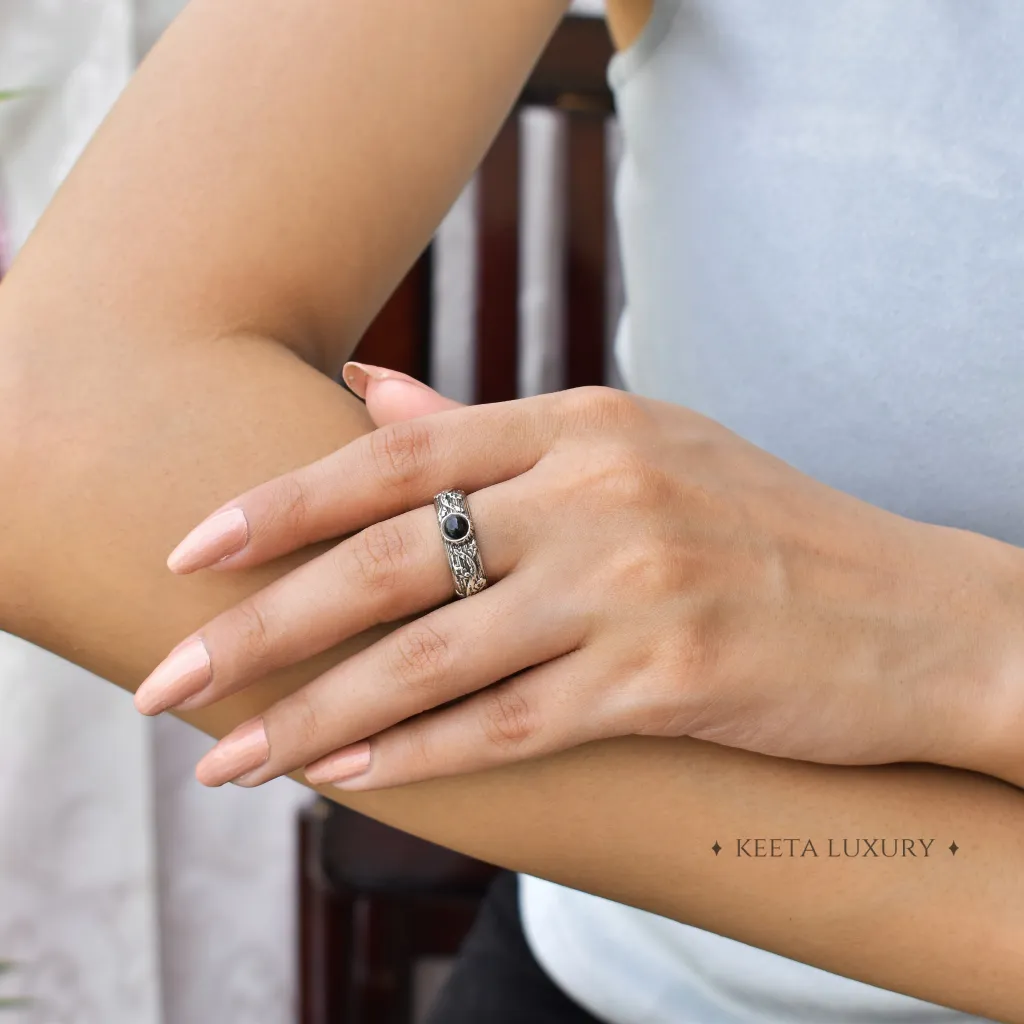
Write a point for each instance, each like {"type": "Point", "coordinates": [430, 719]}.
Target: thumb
{"type": "Point", "coordinates": [392, 396]}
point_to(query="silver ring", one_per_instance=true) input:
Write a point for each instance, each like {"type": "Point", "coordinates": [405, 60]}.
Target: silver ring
{"type": "Point", "coordinates": [459, 536]}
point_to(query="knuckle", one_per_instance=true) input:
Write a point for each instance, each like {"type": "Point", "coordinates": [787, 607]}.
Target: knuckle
{"type": "Point", "coordinates": [596, 406]}
{"type": "Point", "coordinates": [420, 657]}
{"type": "Point", "coordinates": [660, 707]}
{"type": "Point", "coordinates": [294, 505]}
{"type": "Point", "coordinates": [418, 743]}
{"type": "Point", "coordinates": [507, 717]}
{"type": "Point", "coordinates": [643, 567]}
{"type": "Point", "coordinates": [401, 452]}
{"type": "Point", "coordinates": [304, 732]}
{"type": "Point", "coordinates": [254, 632]}
{"type": "Point", "coordinates": [380, 552]}
{"type": "Point", "coordinates": [624, 476]}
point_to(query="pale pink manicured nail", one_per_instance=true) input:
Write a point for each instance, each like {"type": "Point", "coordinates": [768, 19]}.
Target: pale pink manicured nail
{"type": "Point", "coordinates": [241, 751]}
{"type": "Point", "coordinates": [216, 537]}
{"type": "Point", "coordinates": [355, 376]}
{"type": "Point", "coordinates": [184, 672]}
{"type": "Point", "coordinates": [342, 764]}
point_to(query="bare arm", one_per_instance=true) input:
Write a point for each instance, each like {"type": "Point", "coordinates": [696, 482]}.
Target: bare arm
{"type": "Point", "coordinates": [148, 372]}
{"type": "Point", "coordinates": [278, 167]}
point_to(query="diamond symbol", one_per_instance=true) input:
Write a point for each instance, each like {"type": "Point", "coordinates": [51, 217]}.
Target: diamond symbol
{"type": "Point", "coordinates": [716, 848]}
{"type": "Point", "coordinates": [953, 847]}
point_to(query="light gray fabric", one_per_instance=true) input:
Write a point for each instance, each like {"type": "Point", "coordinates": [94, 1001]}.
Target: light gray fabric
{"type": "Point", "coordinates": [822, 221]}
{"type": "Point", "coordinates": [822, 226]}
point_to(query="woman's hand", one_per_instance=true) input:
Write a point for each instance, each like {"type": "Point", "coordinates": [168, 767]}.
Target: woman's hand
{"type": "Point", "coordinates": [650, 572]}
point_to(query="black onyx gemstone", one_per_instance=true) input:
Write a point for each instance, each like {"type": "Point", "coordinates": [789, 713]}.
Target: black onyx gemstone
{"type": "Point", "coordinates": [455, 526]}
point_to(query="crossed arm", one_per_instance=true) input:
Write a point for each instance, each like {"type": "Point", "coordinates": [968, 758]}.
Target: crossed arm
{"type": "Point", "coordinates": [165, 340]}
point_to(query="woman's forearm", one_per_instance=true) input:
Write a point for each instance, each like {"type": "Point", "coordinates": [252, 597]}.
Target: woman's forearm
{"type": "Point", "coordinates": [129, 440]}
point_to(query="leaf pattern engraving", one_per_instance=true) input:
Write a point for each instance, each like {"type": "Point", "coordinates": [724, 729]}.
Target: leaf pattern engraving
{"type": "Point", "coordinates": [448, 502]}
{"type": "Point", "coordinates": [463, 558]}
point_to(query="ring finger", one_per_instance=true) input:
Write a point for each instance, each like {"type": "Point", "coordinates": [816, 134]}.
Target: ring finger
{"type": "Point", "coordinates": [541, 710]}
{"type": "Point", "coordinates": [454, 650]}
{"type": "Point", "coordinates": [385, 572]}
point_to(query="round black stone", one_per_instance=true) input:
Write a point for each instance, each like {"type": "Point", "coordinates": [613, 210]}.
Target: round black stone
{"type": "Point", "coordinates": [455, 526]}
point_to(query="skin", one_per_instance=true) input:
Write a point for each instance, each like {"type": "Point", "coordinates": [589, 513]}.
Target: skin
{"type": "Point", "coordinates": [163, 342]}
{"type": "Point", "coordinates": [691, 584]}
{"type": "Point", "coordinates": [626, 20]}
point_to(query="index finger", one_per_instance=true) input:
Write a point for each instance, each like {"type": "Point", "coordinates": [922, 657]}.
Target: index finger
{"type": "Point", "coordinates": [376, 476]}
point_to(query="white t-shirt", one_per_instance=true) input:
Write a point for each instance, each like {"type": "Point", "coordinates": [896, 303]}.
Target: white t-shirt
{"type": "Point", "coordinates": [821, 209]}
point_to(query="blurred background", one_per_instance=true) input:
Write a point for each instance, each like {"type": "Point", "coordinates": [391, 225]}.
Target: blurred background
{"type": "Point", "coordinates": [129, 894]}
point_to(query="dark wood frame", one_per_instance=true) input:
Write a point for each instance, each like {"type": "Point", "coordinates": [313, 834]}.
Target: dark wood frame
{"type": "Point", "coordinates": [371, 898]}
{"type": "Point", "coordinates": [569, 77]}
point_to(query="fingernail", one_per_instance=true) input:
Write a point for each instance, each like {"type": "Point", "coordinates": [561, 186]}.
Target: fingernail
{"type": "Point", "coordinates": [184, 672]}
{"type": "Point", "coordinates": [356, 375]}
{"type": "Point", "coordinates": [241, 751]}
{"type": "Point", "coordinates": [342, 764]}
{"type": "Point", "coordinates": [222, 534]}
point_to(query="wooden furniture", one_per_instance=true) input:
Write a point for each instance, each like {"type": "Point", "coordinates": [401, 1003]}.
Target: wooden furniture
{"type": "Point", "coordinates": [373, 899]}
{"type": "Point", "coordinates": [570, 78]}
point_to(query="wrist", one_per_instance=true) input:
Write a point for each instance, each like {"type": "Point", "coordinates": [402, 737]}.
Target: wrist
{"type": "Point", "coordinates": [990, 710]}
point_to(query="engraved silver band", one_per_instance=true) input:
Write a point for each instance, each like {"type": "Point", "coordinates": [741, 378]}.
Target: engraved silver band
{"type": "Point", "coordinates": [457, 532]}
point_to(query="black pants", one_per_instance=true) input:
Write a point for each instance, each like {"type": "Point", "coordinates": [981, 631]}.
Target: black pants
{"type": "Point", "coordinates": [495, 979]}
